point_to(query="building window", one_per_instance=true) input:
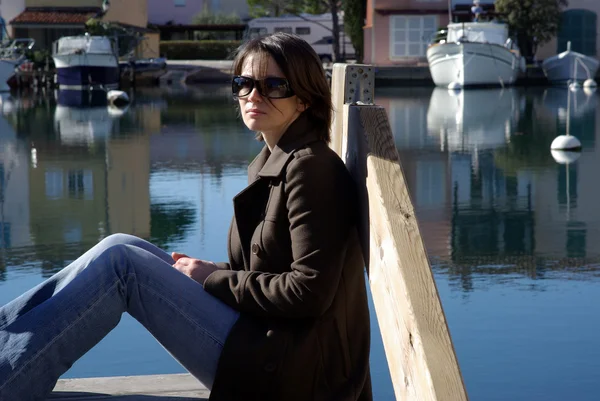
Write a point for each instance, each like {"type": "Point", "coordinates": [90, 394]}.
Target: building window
{"type": "Point", "coordinates": [579, 28]}
{"type": "Point", "coordinates": [282, 29]}
{"type": "Point", "coordinates": [303, 30]}
{"type": "Point", "coordinates": [179, 3]}
{"type": "Point", "coordinates": [81, 184]}
{"type": "Point", "coordinates": [54, 184]}
{"type": "Point", "coordinates": [410, 35]}
{"type": "Point", "coordinates": [256, 32]}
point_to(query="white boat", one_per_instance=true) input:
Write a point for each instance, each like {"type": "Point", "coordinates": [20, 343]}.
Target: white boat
{"type": "Point", "coordinates": [570, 66]}
{"type": "Point", "coordinates": [475, 53]}
{"type": "Point", "coordinates": [86, 62]}
{"type": "Point", "coordinates": [12, 54]}
{"type": "Point", "coordinates": [473, 119]}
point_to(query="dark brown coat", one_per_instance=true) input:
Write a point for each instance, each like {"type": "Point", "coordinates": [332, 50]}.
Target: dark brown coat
{"type": "Point", "coordinates": [296, 275]}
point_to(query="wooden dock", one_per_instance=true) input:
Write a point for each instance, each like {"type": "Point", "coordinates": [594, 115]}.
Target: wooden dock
{"type": "Point", "coordinates": [179, 387]}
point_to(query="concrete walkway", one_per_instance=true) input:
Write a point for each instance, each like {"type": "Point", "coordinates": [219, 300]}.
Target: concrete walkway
{"type": "Point", "coordinates": [180, 387]}
{"type": "Point", "coordinates": [192, 64]}
{"type": "Point", "coordinates": [197, 71]}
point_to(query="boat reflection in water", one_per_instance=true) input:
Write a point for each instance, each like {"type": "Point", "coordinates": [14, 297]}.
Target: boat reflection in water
{"type": "Point", "coordinates": [490, 213]}
{"type": "Point", "coordinates": [556, 101]}
{"type": "Point", "coordinates": [472, 119]}
{"type": "Point", "coordinates": [84, 117]}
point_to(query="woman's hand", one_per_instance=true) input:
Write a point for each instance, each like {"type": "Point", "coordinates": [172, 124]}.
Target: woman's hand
{"type": "Point", "coordinates": [197, 269]}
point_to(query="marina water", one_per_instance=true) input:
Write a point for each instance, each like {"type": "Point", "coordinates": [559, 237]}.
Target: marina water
{"type": "Point", "coordinates": [513, 236]}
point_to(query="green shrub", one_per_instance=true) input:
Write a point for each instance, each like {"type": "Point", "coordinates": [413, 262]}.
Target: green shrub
{"type": "Point", "coordinates": [198, 49]}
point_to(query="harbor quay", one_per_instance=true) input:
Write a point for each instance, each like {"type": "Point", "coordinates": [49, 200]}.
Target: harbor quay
{"type": "Point", "coordinates": [213, 71]}
{"type": "Point", "coordinates": [190, 72]}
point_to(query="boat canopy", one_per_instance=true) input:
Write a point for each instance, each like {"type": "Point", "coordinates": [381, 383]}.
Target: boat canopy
{"type": "Point", "coordinates": [485, 32]}
{"type": "Point", "coordinates": [84, 44]}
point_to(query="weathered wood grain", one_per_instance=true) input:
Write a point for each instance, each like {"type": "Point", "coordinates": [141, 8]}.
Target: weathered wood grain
{"type": "Point", "coordinates": [337, 97]}
{"type": "Point", "coordinates": [417, 342]}
{"type": "Point", "coordinates": [176, 387]}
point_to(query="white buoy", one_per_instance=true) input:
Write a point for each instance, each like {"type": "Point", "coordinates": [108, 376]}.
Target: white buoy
{"type": "Point", "coordinates": [117, 112]}
{"type": "Point", "coordinates": [454, 86]}
{"type": "Point", "coordinates": [565, 156]}
{"type": "Point", "coordinates": [565, 142]}
{"type": "Point", "coordinates": [590, 83]}
{"type": "Point", "coordinates": [34, 157]}
{"type": "Point", "coordinates": [574, 86]}
{"type": "Point", "coordinates": [117, 98]}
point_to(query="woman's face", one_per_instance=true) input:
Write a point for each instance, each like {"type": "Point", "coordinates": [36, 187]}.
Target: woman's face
{"type": "Point", "coordinates": [270, 118]}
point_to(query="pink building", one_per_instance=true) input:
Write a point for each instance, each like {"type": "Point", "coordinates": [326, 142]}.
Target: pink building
{"type": "Point", "coordinates": [399, 31]}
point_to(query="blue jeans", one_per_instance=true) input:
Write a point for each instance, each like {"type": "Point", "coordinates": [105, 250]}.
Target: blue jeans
{"type": "Point", "coordinates": [44, 331]}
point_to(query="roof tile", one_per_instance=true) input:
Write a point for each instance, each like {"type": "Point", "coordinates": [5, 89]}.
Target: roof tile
{"type": "Point", "coordinates": [53, 16]}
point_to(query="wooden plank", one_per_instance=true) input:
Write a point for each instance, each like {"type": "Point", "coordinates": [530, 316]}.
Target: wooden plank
{"type": "Point", "coordinates": [131, 388]}
{"type": "Point", "coordinates": [419, 350]}
{"type": "Point", "coordinates": [337, 97]}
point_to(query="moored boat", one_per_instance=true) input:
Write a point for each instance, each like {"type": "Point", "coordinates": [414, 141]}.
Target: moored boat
{"type": "Point", "coordinates": [86, 62]}
{"type": "Point", "coordinates": [570, 66]}
{"type": "Point", "coordinates": [12, 54]}
{"type": "Point", "coordinates": [475, 53]}
{"type": "Point", "coordinates": [143, 69]}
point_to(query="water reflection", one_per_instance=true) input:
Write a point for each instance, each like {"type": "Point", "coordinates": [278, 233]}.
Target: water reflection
{"type": "Point", "coordinates": [75, 125]}
{"type": "Point", "coordinates": [510, 232]}
{"type": "Point", "coordinates": [14, 191]}
{"type": "Point", "coordinates": [73, 172]}
{"type": "Point", "coordinates": [464, 122]}
{"type": "Point", "coordinates": [486, 189]}
{"type": "Point", "coordinates": [489, 196]}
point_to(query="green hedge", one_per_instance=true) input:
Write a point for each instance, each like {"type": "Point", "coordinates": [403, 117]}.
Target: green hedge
{"type": "Point", "coordinates": [198, 49]}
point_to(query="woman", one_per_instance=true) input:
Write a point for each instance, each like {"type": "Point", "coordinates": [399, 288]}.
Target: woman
{"type": "Point", "coordinates": [285, 319]}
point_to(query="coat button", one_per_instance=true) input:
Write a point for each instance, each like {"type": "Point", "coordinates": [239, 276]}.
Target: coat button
{"type": "Point", "coordinates": [255, 249]}
{"type": "Point", "coordinates": [270, 367]}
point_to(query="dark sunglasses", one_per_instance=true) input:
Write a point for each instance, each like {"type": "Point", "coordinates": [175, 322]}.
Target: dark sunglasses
{"type": "Point", "coordinates": [270, 87]}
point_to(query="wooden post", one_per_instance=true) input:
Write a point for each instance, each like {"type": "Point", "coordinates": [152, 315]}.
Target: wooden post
{"type": "Point", "coordinates": [418, 347]}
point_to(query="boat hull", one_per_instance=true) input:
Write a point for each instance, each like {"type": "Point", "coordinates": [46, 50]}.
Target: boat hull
{"type": "Point", "coordinates": [7, 70]}
{"type": "Point", "coordinates": [473, 64]}
{"type": "Point", "coordinates": [82, 71]}
{"type": "Point", "coordinates": [570, 66]}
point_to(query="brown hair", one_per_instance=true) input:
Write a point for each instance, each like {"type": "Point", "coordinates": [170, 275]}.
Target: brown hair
{"type": "Point", "coordinates": [302, 68]}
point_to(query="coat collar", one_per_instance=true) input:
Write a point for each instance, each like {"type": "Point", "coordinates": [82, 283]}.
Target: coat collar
{"type": "Point", "coordinates": [271, 164]}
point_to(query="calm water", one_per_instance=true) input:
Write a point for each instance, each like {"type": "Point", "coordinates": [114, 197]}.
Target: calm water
{"type": "Point", "coordinates": [512, 235]}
